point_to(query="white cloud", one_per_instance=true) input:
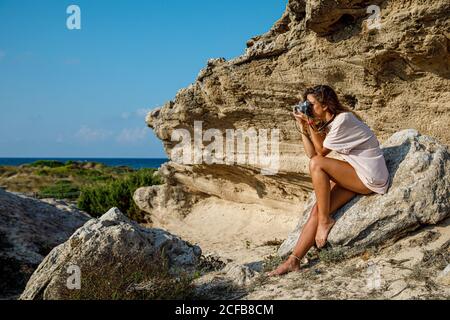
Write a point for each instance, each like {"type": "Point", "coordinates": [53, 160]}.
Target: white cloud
{"type": "Point", "coordinates": [140, 113]}
{"type": "Point", "coordinates": [132, 135]}
{"type": "Point", "coordinates": [143, 112]}
{"type": "Point", "coordinates": [88, 134]}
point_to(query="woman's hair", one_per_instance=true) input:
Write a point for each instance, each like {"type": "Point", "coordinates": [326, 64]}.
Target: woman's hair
{"type": "Point", "coordinates": [327, 97]}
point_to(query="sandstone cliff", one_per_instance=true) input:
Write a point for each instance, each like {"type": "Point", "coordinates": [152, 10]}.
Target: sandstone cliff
{"type": "Point", "coordinates": [396, 77]}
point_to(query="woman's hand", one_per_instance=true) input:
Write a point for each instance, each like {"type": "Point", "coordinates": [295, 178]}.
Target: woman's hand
{"type": "Point", "coordinates": [302, 120]}
{"type": "Point", "coordinates": [300, 117]}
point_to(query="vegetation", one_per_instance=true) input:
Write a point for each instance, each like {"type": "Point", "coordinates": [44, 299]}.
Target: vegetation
{"type": "Point", "coordinates": [98, 198]}
{"type": "Point", "coordinates": [271, 262]}
{"type": "Point", "coordinates": [94, 186]}
{"type": "Point", "coordinates": [135, 280]}
{"type": "Point", "coordinates": [61, 190]}
{"type": "Point", "coordinates": [332, 255]}
{"type": "Point", "coordinates": [47, 163]}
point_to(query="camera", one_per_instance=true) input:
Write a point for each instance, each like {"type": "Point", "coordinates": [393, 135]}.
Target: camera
{"type": "Point", "coordinates": [304, 107]}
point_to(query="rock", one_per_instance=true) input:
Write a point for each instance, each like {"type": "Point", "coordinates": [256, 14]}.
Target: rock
{"type": "Point", "coordinates": [444, 276]}
{"type": "Point", "coordinates": [159, 199]}
{"type": "Point", "coordinates": [64, 205]}
{"type": "Point", "coordinates": [325, 17]}
{"type": "Point", "coordinates": [418, 195]}
{"type": "Point", "coordinates": [108, 241]}
{"type": "Point", "coordinates": [396, 288]}
{"type": "Point", "coordinates": [240, 274]}
{"type": "Point", "coordinates": [395, 77]}
{"type": "Point", "coordinates": [29, 229]}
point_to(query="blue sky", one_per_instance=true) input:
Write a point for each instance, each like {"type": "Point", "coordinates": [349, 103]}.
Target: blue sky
{"type": "Point", "coordinates": [84, 93]}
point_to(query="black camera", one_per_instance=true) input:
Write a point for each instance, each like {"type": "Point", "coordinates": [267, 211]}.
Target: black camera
{"type": "Point", "coordinates": [304, 107]}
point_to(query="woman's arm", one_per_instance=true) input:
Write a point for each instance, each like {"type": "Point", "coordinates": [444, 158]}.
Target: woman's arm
{"type": "Point", "coordinates": [317, 139]}
{"type": "Point", "coordinates": [312, 140]}
{"type": "Point", "coordinates": [307, 143]}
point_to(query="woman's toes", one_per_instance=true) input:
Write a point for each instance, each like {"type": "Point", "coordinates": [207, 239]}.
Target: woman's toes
{"type": "Point", "coordinates": [283, 269]}
{"type": "Point", "coordinates": [319, 243]}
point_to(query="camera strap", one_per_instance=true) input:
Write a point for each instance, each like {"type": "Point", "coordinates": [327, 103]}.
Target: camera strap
{"type": "Point", "coordinates": [326, 124]}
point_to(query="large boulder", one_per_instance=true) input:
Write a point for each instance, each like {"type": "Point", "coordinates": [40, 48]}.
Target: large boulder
{"type": "Point", "coordinates": [29, 229]}
{"type": "Point", "coordinates": [100, 247]}
{"type": "Point", "coordinates": [419, 194]}
{"type": "Point", "coordinates": [395, 77]}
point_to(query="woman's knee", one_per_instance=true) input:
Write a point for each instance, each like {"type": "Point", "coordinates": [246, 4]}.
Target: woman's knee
{"type": "Point", "coordinates": [315, 163]}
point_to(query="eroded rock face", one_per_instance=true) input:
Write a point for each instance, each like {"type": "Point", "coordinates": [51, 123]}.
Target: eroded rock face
{"type": "Point", "coordinates": [419, 195]}
{"type": "Point", "coordinates": [29, 229]}
{"type": "Point", "coordinates": [395, 77]}
{"type": "Point", "coordinates": [112, 237]}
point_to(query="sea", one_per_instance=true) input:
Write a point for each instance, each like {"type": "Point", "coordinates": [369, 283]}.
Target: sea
{"type": "Point", "coordinates": [135, 163]}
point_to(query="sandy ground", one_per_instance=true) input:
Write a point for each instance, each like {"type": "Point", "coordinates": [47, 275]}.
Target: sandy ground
{"type": "Point", "coordinates": [237, 234]}
{"type": "Point", "coordinates": [233, 231]}
{"type": "Point", "coordinates": [409, 269]}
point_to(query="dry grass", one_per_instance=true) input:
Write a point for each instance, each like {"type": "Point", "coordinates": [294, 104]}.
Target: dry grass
{"type": "Point", "coordinates": [274, 242]}
{"type": "Point", "coordinates": [332, 255]}
{"type": "Point", "coordinates": [271, 262]}
{"type": "Point", "coordinates": [128, 278]}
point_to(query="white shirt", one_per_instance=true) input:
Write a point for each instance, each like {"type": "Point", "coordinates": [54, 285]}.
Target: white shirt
{"type": "Point", "coordinates": [358, 145]}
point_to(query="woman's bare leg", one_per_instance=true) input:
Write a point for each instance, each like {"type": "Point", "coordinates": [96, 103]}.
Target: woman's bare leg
{"type": "Point", "coordinates": [321, 183]}
{"type": "Point", "coordinates": [304, 243]}
{"type": "Point", "coordinates": [323, 169]}
{"type": "Point", "coordinates": [338, 197]}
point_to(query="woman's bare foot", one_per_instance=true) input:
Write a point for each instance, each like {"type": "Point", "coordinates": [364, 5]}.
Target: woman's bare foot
{"type": "Point", "coordinates": [291, 264]}
{"type": "Point", "coordinates": [323, 229]}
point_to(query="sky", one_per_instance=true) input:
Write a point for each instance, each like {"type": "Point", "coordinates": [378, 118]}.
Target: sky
{"type": "Point", "coordinates": [85, 92]}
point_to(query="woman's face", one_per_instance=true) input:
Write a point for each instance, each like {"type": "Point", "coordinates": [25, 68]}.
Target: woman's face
{"type": "Point", "coordinates": [319, 110]}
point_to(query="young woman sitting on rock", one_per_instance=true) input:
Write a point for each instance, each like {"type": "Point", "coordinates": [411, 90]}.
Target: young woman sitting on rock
{"type": "Point", "coordinates": [335, 182]}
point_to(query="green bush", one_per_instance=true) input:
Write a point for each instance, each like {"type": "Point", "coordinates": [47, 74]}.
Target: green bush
{"type": "Point", "coordinates": [46, 163]}
{"type": "Point", "coordinates": [61, 190]}
{"type": "Point", "coordinates": [42, 172]}
{"type": "Point", "coordinates": [98, 198]}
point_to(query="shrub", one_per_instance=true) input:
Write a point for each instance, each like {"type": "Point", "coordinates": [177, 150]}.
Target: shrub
{"type": "Point", "coordinates": [330, 255]}
{"type": "Point", "coordinates": [61, 190]}
{"type": "Point", "coordinates": [98, 198]}
{"type": "Point", "coordinates": [46, 163]}
{"type": "Point", "coordinates": [128, 278]}
{"type": "Point", "coordinates": [42, 172]}
{"type": "Point", "coordinates": [59, 172]}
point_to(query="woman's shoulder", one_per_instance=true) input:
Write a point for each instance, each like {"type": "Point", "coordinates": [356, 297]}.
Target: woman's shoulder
{"type": "Point", "coordinates": [344, 115]}
{"type": "Point", "coordinates": [340, 118]}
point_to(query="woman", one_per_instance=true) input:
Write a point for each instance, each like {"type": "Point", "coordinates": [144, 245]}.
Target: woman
{"type": "Point", "coordinates": [335, 182]}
